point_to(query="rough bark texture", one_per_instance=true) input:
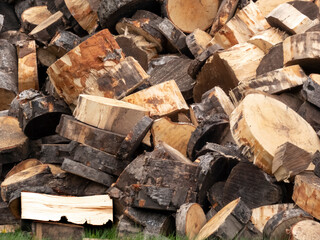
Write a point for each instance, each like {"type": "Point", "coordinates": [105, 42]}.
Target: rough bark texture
{"type": "Point", "coordinates": [272, 60]}
{"type": "Point", "coordinates": [63, 42]}
{"type": "Point", "coordinates": [57, 231]}
{"type": "Point", "coordinates": [311, 88]}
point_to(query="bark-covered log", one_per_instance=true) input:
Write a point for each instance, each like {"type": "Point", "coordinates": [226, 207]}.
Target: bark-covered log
{"type": "Point", "coordinates": [126, 227]}
{"type": "Point", "coordinates": [276, 227]}
{"type": "Point", "coordinates": [225, 68]}
{"type": "Point", "coordinates": [6, 216]}
{"type": "Point", "coordinates": [225, 12]}
{"type": "Point", "coordinates": [89, 60]}
{"type": "Point", "coordinates": [305, 229]}
{"type": "Point", "coordinates": [227, 223]}
{"type": "Point", "coordinates": [97, 138]}
{"type": "Point", "coordinates": [48, 28]}
{"type": "Point", "coordinates": [33, 16]}
{"type": "Point", "coordinates": [190, 219]}
{"type": "Point", "coordinates": [110, 12]}
{"type": "Point", "coordinates": [163, 128]}
{"type": "Point", "coordinates": [11, 21]}
{"type": "Point", "coordinates": [21, 5]}
{"type": "Point", "coordinates": [46, 58]}
{"type": "Point", "coordinates": [183, 15]}
{"type": "Point", "coordinates": [84, 171]}
{"type": "Point", "coordinates": [161, 99]}
{"type": "Point", "coordinates": [311, 89]}
{"type": "Point", "coordinates": [198, 41]}
{"type": "Point", "coordinates": [23, 165]}
{"type": "Point", "coordinates": [14, 145]}
{"type": "Point", "coordinates": [27, 66]}
{"type": "Point", "coordinates": [311, 114]}
{"type": "Point", "coordinates": [134, 138]}
{"type": "Point", "coordinates": [215, 197]}
{"type": "Point", "coordinates": [255, 188]}
{"type": "Point", "coordinates": [271, 61]}
{"type": "Point", "coordinates": [8, 73]}
{"type": "Point", "coordinates": [263, 133]}
{"type": "Point", "coordinates": [307, 186]}
{"type": "Point", "coordinates": [55, 153]}
{"type": "Point", "coordinates": [271, 82]}
{"type": "Point", "coordinates": [173, 68]}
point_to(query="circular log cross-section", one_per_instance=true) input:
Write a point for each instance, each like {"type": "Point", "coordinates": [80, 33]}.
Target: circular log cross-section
{"type": "Point", "coordinates": [189, 15]}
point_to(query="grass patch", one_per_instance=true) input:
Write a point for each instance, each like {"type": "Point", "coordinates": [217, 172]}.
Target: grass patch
{"type": "Point", "coordinates": [17, 235]}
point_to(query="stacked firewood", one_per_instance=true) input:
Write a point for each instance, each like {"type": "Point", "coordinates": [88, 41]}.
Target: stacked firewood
{"type": "Point", "coordinates": [186, 117]}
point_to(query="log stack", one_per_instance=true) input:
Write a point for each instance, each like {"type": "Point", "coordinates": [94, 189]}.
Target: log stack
{"type": "Point", "coordinates": [198, 119]}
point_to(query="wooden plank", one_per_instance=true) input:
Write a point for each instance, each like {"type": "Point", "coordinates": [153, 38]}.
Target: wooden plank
{"type": "Point", "coordinates": [94, 210]}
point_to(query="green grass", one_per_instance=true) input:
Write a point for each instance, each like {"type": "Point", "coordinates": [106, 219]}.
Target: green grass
{"type": "Point", "coordinates": [17, 235]}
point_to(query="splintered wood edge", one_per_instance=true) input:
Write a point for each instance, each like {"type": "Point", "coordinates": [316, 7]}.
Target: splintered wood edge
{"type": "Point", "coordinates": [53, 18]}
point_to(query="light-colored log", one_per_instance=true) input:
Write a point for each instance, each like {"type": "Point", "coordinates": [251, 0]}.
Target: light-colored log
{"type": "Point", "coordinates": [305, 230]}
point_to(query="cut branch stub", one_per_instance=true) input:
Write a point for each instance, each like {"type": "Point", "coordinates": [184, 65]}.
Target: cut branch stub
{"type": "Point", "coordinates": [262, 124]}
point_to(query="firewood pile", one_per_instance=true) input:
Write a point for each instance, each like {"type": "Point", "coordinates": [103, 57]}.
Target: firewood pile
{"type": "Point", "coordinates": [191, 118]}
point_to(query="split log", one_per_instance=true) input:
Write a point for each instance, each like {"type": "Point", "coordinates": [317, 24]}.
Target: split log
{"type": "Point", "coordinates": [213, 101]}
{"type": "Point", "coordinates": [267, 39]}
{"type": "Point", "coordinates": [134, 138]}
{"type": "Point", "coordinates": [108, 114]}
{"type": "Point", "coordinates": [311, 88]}
{"type": "Point", "coordinates": [173, 68]}
{"type": "Point", "coordinates": [48, 28]}
{"type": "Point", "coordinates": [306, 186]}
{"type": "Point", "coordinates": [249, 232]}
{"type": "Point", "coordinates": [225, 12]}
{"type": "Point", "coordinates": [175, 36]}
{"type": "Point", "coordinates": [163, 128]}
{"type": "Point", "coordinates": [271, 82]}
{"type": "Point", "coordinates": [276, 227]}
{"type": "Point", "coordinates": [8, 73]}
{"type": "Point", "coordinates": [126, 227]}
{"type": "Point", "coordinates": [46, 58]}
{"type": "Point", "coordinates": [190, 219]}
{"type": "Point", "coordinates": [63, 42]}
{"type": "Point", "coordinates": [289, 99]}
{"type": "Point", "coordinates": [84, 171]}
{"type": "Point", "coordinates": [197, 42]}
{"type": "Point", "coordinates": [110, 12]}
{"type": "Point", "coordinates": [11, 21]}
{"type": "Point", "coordinates": [213, 129]}
{"type": "Point", "coordinates": [258, 133]}
{"type": "Point", "coordinates": [225, 69]}
{"type": "Point", "coordinates": [255, 188]}
{"type": "Point", "coordinates": [54, 139]}
{"type": "Point", "coordinates": [287, 17]}
{"type": "Point", "coordinates": [38, 114]}
{"type": "Point", "coordinates": [289, 160]}
{"type": "Point", "coordinates": [145, 24]}
{"type": "Point", "coordinates": [23, 165]}
{"type": "Point", "coordinates": [261, 215]}
{"type": "Point", "coordinates": [309, 57]}
{"type": "Point", "coordinates": [94, 210]}
{"type": "Point", "coordinates": [154, 223]}
{"type": "Point", "coordinates": [97, 138]}
{"type": "Point", "coordinates": [27, 66]}
{"type": "Point", "coordinates": [55, 153]}
{"type": "Point", "coordinates": [311, 114]}
{"type": "Point", "coordinates": [33, 16]}
{"type": "Point", "coordinates": [305, 229]}
{"type": "Point", "coordinates": [138, 48]}
{"type": "Point", "coordinates": [98, 160]}
{"type": "Point", "coordinates": [161, 99]}
{"type": "Point", "coordinates": [14, 145]}
{"type": "Point", "coordinates": [89, 60]}
{"type": "Point", "coordinates": [182, 14]}
{"type": "Point", "coordinates": [21, 6]}
{"type": "Point", "coordinates": [271, 61]}
{"type": "Point", "coordinates": [227, 223]}
{"type": "Point", "coordinates": [246, 23]}
{"type": "Point", "coordinates": [50, 230]}
{"type": "Point", "coordinates": [6, 216]}
{"type": "Point", "coordinates": [215, 197]}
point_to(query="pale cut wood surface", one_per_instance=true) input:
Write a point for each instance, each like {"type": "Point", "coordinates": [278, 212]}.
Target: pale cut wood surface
{"type": "Point", "coordinates": [33, 16]}
{"type": "Point", "coordinates": [161, 99]}
{"type": "Point", "coordinates": [94, 210]}
{"type": "Point", "coordinates": [262, 124]}
{"type": "Point", "coordinates": [23, 165]}
{"type": "Point", "coordinates": [109, 114]}
{"type": "Point", "coordinates": [305, 230]}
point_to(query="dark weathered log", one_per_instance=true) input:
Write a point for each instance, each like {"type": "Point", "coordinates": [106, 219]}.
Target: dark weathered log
{"type": "Point", "coordinates": [38, 114]}
{"type": "Point", "coordinates": [292, 100]}
{"type": "Point", "coordinates": [225, 12]}
{"type": "Point", "coordinates": [8, 73]}
{"type": "Point", "coordinates": [175, 37]}
{"type": "Point", "coordinates": [190, 219]}
{"type": "Point", "coordinates": [134, 138]}
{"type": "Point", "coordinates": [55, 153]}
{"type": "Point", "coordinates": [272, 60]}
{"type": "Point", "coordinates": [27, 66]}
{"type": "Point", "coordinates": [33, 16]}
{"type": "Point", "coordinates": [6, 216]}
{"type": "Point", "coordinates": [311, 89]}
{"type": "Point", "coordinates": [126, 227]}
{"type": "Point", "coordinates": [54, 139]}
{"type": "Point", "coordinates": [198, 41]}
{"type": "Point", "coordinates": [11, 21]}
{"type": "Point", "coordinates": [276, 226]}
{"type": "Point", "coordinates": [175, 68]}
{"type": "Point", "coordinates": [48, 28]}
{"type": "Point", "coordinates": [213, 101]}
{"type": "Point", "coordinates": [110, 12]}
{"type": "Point", "coordinates": [215, 197]}
{"type": "Point", "coordinates": [50, 230]}
{"type": "Point", "coordinates": [14, 145]}
{"type": "Point", "coordinates": [227, 223]}
{"type": "Point", "coordinates": [46, 58]}
{"type": "Point", "coordinates": [101, 139]}
{"type": "Point", "coordinates": [255, 188]}
{"type": "Point", "coordinates": [249, 232]}
{"type": "Point", "coordinates": [311, 114]}
{"type": "Point", "coordinates": [84, 171]}
{"type": "Point", "coordinates": [212, 129]}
